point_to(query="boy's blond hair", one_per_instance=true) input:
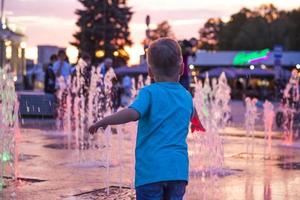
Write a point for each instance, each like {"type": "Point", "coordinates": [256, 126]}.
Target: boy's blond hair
{"type": "Point", "coordinates": [164, 57]}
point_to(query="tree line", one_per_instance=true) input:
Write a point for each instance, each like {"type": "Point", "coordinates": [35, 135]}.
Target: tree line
{"type": "Point", "coordinates": [247, 29]}
{"type": "Point", "coordinates": [104, 31]}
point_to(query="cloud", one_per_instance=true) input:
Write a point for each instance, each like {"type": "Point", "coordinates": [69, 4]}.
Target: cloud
{"type": "Point", "coordinates": [42, 21]}
{"type": "Point", "coordinates": [160, 15]}
{"type": "Point", "coordinates": [54, 8]}
{"type": "Point", "coordinates": [46, 30]}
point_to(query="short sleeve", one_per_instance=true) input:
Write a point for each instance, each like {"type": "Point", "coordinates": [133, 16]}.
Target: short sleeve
{"type": "Point", "coordinates": [142, 103]}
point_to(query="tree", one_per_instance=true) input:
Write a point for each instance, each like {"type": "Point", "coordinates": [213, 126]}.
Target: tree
{"type": "Point", "coordinates": [231, 29]}
{"type": "Point", "coordinates": [254, 35]}
{"type": "Point", "coordinates": [209, 34]}
{"type": "Point", "coordinates": [163, 29]}
{"type": "Point", "coordinates": [260, 28]}
{"type": "Point", "coordinates": [293, 38]}
{"type": "Point", "coordinates": [103, 29]}
{"type": "Point", "coordinates": [268, 11]}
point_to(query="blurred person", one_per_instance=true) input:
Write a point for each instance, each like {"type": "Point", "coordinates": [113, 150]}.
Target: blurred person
{"type": "Point", "coordinates": [62, 70]}
{"type": "Point", "coordinates": [116, 94]}
{"type": "Point", "coordinates": [62, 67]}
{"type": "Point", "coordinates": [105, 66]}
{"type": "Point", "coordinates": [126, 94]}
{"type": "Point", "coordinates": [49, 81]}
{"type": "Point", "coordinates": [186, 52]}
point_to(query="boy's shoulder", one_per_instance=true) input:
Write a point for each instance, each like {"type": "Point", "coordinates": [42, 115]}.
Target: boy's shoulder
{"type": "Point", "coordinates": [154, 87]}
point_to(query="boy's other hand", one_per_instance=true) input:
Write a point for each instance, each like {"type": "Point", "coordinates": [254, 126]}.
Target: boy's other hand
{"type": "Point", "coordinates": [197, 128]}
{"type": "Point", "coordinates": [196, 124]}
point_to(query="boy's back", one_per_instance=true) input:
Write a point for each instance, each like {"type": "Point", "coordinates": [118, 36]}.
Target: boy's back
{"type": "Point", "coordinates": [165, 110]}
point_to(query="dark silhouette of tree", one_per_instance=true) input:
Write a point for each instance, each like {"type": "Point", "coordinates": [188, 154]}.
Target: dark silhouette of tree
{"type": "Point", "coordinates": [163, 29]}
{"type": "Point", "coordinates": [268, 11]}
{"type": "Point", "coordinates": [293, 38]}
{"type": "Point", "coordinates": [230, 30]}
{"type": "Point", "coordinates": [256, 29]}
{"type": "Point", "coordinates": [209, 34]}
{"type": "Point", "coordinates": [253, 35]}
{"type": "Point", "coordinates": [103, 29]}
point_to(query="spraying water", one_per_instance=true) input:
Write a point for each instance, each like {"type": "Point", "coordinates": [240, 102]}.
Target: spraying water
{"type": "Point", "coordinates": [268, 123]}
{"type": "Point", "coordinates": [9, 130]}
{"type": "Point", "coordinates": [206, 151]}
{"type": "Point", "coordinates": [250, 118]}
{"type": "Point", "coordinates": [290, 107]}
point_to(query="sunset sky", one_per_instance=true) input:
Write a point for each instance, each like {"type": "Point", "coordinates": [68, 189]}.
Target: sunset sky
{"type": "Point", "coordinates": [52, 22]}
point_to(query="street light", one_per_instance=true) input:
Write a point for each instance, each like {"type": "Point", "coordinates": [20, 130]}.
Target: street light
{"type": "Point", "coordinates": [2, 10]}
{"type": "Point", "coordinates": [263, 66]}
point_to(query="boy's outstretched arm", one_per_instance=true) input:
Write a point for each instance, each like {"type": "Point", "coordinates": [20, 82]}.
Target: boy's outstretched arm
{"type": "Point", "coordinates": [121, 117]}
{"type": "Point", "coordinates": [196, 124]}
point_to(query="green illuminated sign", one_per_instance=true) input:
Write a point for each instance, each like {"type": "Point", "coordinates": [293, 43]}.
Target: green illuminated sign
{"type": "Point", "coordinates": [243, 58]}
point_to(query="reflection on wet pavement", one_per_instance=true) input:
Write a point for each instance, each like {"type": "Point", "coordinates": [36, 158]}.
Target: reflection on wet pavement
{"type": "Point", "coordinates": [74, 174]}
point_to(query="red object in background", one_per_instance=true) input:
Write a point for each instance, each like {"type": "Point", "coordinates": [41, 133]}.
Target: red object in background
{"type": "Point", "coordinates": [196, 124]}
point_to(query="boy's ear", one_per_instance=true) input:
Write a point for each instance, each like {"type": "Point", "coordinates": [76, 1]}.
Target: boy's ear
{"type": "Point", "coordinates": [150, 73]}
{"type": "Point", "coordinates": [181, 70]}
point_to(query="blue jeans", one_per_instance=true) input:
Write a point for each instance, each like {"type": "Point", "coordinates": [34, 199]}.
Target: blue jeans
{"type": "Point", "coordinates": [166, 190]}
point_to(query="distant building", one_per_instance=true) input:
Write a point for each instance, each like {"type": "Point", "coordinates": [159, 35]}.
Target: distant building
{"type": "Point", "coordinates": [45, 51]}
{"type": "Point", "coordinates": [207, 59]}
{"type": "Point", "coordinates": [12, 51]}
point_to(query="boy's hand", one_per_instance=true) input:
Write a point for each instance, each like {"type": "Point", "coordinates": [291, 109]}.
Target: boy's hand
{"type": "Point", "coordinates": [94, 128]}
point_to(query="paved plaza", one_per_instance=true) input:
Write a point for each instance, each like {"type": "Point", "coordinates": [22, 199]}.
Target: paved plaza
{"type": "Point", "coordinates": [48, 170]}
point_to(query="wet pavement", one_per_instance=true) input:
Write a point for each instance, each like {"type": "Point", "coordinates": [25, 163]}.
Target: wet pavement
{"type": "Point", "coordinates": [48, 170]}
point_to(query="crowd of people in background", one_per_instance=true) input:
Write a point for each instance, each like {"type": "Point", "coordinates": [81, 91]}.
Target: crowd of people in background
{"type": "Point", "coordinates": [59, 66]}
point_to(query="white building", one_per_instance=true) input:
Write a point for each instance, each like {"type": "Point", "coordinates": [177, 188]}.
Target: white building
{"type": "Point", "coordinates": [45, 51]}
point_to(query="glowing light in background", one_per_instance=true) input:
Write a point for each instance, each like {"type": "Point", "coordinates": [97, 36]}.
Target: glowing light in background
{"type": "Point", "coordinates": [252, 67]}
{"type": "Point", "coordinates": [72, 53]}
{"type": "Point", "coordinates": [31, 53]}
{"type": "Point", "coordinates": [135, 51]}
{"type": "Point", "coordinates": [23, 45]}
{"type": "Point", "coordinates": [263, 66]}
{"type": "Point", "coordinates": [116, 53]}
{"type": "Point", "coordinates": [8, 52]}
{"type": "Point", "coordinates": [100, 53]}
{"type": "Point", "coordinates": [298, 66]}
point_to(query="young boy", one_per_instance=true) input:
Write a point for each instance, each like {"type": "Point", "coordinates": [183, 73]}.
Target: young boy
{"type": "Point", "coordinates": [164, 110]}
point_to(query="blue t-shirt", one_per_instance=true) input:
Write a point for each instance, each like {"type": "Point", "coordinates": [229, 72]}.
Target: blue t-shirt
{"type": "Point", "coordinates": [165, 109]}
{"type": "Point", "coordinates": [66, 68]}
